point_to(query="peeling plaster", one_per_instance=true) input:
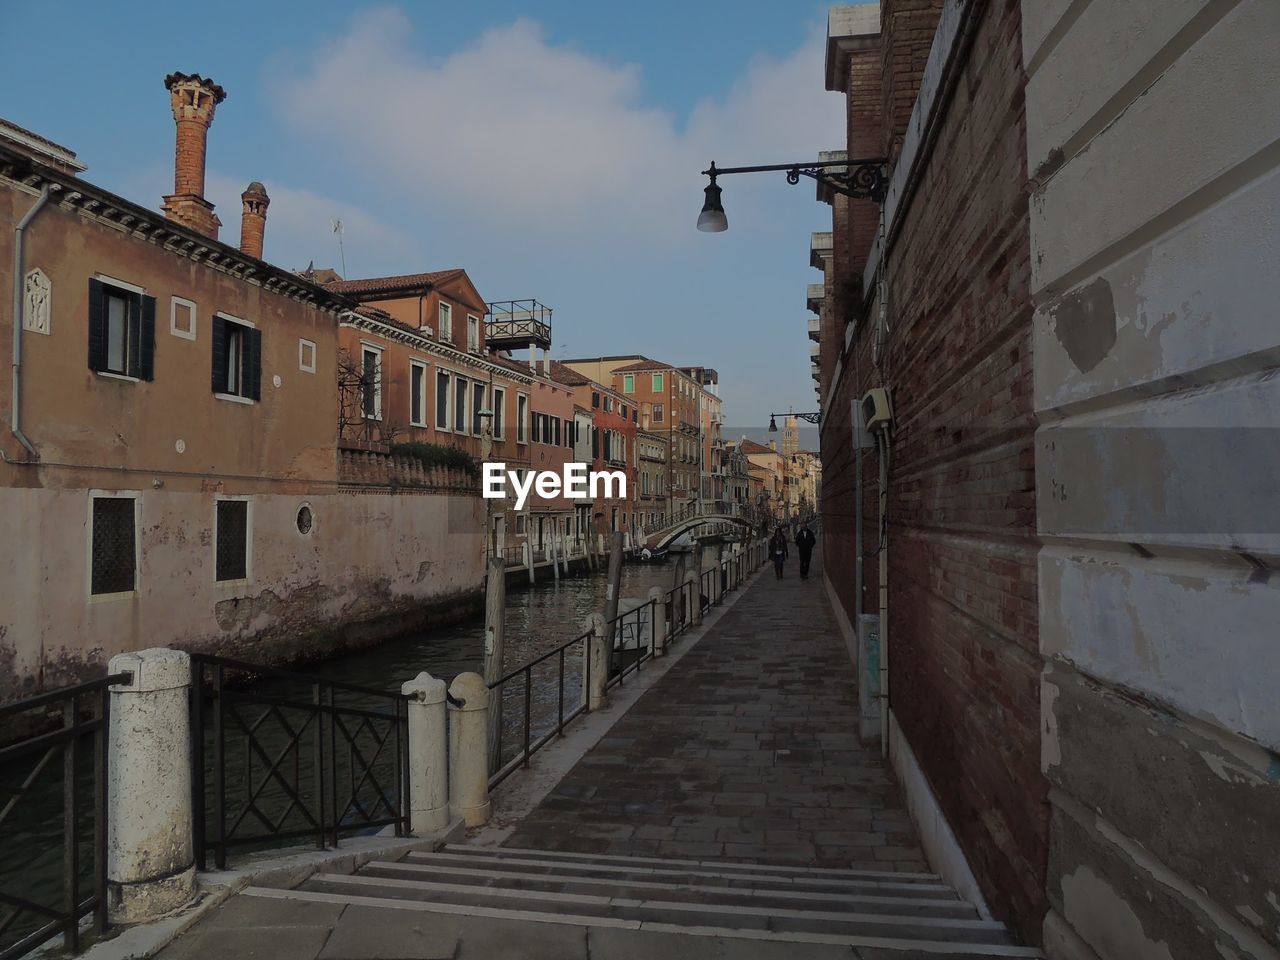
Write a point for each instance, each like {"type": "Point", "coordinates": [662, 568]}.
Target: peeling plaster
{"type": "Point", "coordinates": [1114, 930]}
{"type": "Point", "coordinates": [1050, 748]}
{"type": "Point", "coordinates": [1084, 322]}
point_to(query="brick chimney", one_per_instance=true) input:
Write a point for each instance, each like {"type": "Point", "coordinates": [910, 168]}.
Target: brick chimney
{"type": "Point", "coordinates": [253, 220]}
{"type": "Point", "coordinates": [193, 99]}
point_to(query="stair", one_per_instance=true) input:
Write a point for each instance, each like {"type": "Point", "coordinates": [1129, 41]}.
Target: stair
{"type": "Point", "coordinates": [913, 913]}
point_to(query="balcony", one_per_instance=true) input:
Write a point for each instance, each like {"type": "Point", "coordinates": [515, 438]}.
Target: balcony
{"type": "Point", "coordinates": [815, 294]}
{"type": "Point", "coordinates": [515, 324]}
{"type": "Point", "coordinates": [815, 330]}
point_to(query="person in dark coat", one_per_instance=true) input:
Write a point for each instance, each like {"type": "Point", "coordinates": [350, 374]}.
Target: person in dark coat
{"type": "Point", "coordinates": [804, 544]}
{"type": "Point", "coordinates": [778, 550]}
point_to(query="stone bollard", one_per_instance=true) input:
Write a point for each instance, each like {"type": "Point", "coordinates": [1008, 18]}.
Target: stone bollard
{"type": "Point", "coordinates": [597, 644]}
{"type": "Point", "coordinates": [694, 585]}
{"type": "Point", "coordinates": [469, 750]}
{"type": "Point", "coordinates": [658, 621]}
{"type": "Point", "coordinates": [428, 755]}
{"type": "Point", "coordinates": [150, 860]}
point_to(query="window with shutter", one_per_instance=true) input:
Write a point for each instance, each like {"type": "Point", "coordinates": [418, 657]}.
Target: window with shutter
{"type": "Point", "coordinates": [122, 330]}
{"type": "Point", "coordinates": [237, 358]}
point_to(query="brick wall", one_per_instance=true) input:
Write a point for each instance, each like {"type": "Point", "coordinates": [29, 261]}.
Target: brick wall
{"type": "Point", "coordinates": [906, 34]}
{"type": "Point", "coordinates": [962, 538]}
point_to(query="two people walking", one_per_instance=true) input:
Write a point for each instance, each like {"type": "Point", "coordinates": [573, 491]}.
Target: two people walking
{"type": "Point", "coordinates": [805, 541]}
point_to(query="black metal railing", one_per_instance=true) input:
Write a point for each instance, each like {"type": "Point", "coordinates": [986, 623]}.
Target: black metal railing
{"type": "Point", "coordinates": [292, 756]}
{"type": "Point", "coordinates": [67, 739]}
{"type": "Point", "coordinates": [533, 713]}
{"type": "Point", "coordinates": [516, 713]}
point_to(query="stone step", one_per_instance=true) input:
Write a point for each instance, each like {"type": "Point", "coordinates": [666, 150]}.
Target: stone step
{"type": "Point", "coordinates": [517, 879]}
{"type": "Point", "coordinates": [605, 903]}
{"type": "Point", "coordinates": [911, 945]}
{"type": "Point", "coordinates": [678, 863]}
{"type": "Point", "coordinates": [760, 877]}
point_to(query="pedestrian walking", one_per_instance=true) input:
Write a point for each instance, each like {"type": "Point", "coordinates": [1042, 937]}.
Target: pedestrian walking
{"type": "Point", "coordinates": [778, 550]}
{"type": "Point", "coordinates": [804, 545]}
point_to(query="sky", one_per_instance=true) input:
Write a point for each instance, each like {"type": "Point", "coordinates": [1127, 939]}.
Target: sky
{"type": "Point", "coordinates": [551, 149]}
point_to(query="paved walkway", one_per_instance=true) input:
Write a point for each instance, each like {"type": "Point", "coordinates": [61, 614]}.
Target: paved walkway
{"type": "Point", "coordinates": [747, 750]}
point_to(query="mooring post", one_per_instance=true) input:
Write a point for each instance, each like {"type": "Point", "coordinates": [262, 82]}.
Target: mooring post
{"type": "Point", "coordinates": [658, 621]}
{"type": "Point", "coordinates": [428, 754]}
{"type": "Point", "coordinates": [613, 589]}
{"type": "Point", "coordinates": [528, 559]}
{"type": "Point", "coordinates": [598, 644]}
{"type": "Point", "coordinates": [150, 856]}
{"type": "Point", "coordinates": [469, 749]}
{"type": "Point", "coordinates": [495, 609]}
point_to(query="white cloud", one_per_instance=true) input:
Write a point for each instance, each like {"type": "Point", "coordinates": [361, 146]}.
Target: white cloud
{"type": "Point", "coordinates": [299, 228]}
{"type": "Point", "coordinates": [519, 134]}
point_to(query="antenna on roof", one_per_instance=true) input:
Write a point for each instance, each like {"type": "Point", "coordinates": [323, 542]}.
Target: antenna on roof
{"type": "Point", "coordinates": [342, 256]}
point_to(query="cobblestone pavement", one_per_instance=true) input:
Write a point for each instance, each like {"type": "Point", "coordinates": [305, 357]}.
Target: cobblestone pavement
{"type": "Point", "coordinates": [747, 750]}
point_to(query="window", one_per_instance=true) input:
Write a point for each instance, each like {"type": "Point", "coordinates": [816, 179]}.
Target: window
{"type": "Point", "coordinates": [521, 524]}
{"type": "Point", "coordinates": [522, 418]}
{"type": "Point", "coordinates": [499, 414]}
{"type": "Point", "coordinates": [417, 393]}
{"type": "Point", "coordinates": [608, 404]}
{"type": "Point", "coordinates": [657, 413]}
{"type": "Point", "coordinates": [595, 443]}
{"type": "Point", "coordinates": [477, 404]}
{"type": "Point", "coordinates": [595, 399]}
{"type": "Point", "coordinates": [113, 548]}
{"type": "Point", "coordinates": [568, 434]}
{"type": "Point", "coordinates": [231, 538]}
{"type": "Point", "coordinates": [306, 356]}
{"type": "Point", "coordinates": [657, 383]}
{"type": "Point", "coordinates": [628, 383]}
{"type": "Point", "coordinates": [237, 358]}
{"type": "Point", "coordinates": [635, 415]}
{"type": "Point", "coordinates": [182, 318]}
{"type": "Point", "coordinates": [537, 428]}
{"type": "Point", "coordinates": [442, 400]}
{"type": "Point", "coordinates": [122, 330]}
{"type": "Point", "coordinates": [624, 411]}
{"type": "Point", "coordinates": [473, 334]}
{"type": "Point", "coordinates": [371, 383]}
{"type": "Point", "coordinates": [446, 322]}
{"type": "Point", "coordinates": [459, 405]}
{"type": "Point", "coordinates": [555, 424]}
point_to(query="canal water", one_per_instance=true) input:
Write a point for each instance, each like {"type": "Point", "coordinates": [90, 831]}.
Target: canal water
{"type": "Point", "coordinates": [538, 619]}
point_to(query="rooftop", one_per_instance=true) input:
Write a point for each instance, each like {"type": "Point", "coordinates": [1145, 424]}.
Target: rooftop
{"type": "Point", "coordinates": [401, 284]}
{"type": "Point", "coordinates": [42, 148]}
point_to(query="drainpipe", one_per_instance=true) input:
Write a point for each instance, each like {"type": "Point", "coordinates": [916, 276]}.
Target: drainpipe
{"type": "Point", "coordinates": [884, 595]}
{"type": "Point", "coordinates": [15, 407]}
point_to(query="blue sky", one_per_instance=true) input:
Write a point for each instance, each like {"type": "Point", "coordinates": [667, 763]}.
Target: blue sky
{"type": "Point", "coordinates": [551, 149]}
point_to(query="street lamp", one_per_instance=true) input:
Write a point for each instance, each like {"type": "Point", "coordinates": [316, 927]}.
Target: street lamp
{"type": "Point", "coordinates": [815, 417]}
{"type": "Point", "coordinates": [860, 179]}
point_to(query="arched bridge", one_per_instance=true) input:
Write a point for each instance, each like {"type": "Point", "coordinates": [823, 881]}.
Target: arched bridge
{"type": "Point", "coordinates": [660, 535]}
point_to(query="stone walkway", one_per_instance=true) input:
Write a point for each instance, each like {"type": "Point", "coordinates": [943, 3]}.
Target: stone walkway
{"type": "Point", "coordinates": [747, 750]}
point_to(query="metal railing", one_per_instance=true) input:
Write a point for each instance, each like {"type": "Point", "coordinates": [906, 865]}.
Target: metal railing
{"type": "Point", "coordinates": [530, 741]}
{"type": "Point", "coordinates": [292, 756]}
{"type": "Point", "coordinates": [70, 730]}
{"type": "Point", "coordinates": [532, 715]}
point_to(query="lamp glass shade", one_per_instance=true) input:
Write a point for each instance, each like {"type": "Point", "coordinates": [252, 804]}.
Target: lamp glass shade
{"type": "Point", "coordinates": [712, 218]}
{"type": "Point", "coordinates": [773, 425]}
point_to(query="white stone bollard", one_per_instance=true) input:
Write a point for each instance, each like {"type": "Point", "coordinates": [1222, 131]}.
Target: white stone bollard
{"type": "Point", "coordinates": [658, 624]}
{"type": "Point", "coordinates": [598, 644]}
{"type": "Point", "coordinates": [469, 750]}
{"type": "Point", "coordinates": [150, 859]}
{"type": "Point", "coordinates": [694, 584]}
{"type": "Point", "coordinates": [428, 754]}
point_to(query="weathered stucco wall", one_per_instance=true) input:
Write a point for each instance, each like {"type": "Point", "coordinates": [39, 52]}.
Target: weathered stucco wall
{"type": "Point", "coordinates": [1152, 128]}
{"type": "Point", "coordinates": [372, 566]}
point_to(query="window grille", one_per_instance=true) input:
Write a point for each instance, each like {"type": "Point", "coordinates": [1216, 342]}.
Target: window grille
{"type": "Point", "coordinates": [114, 550]}
{"type": "Point", "coordinates": [233, 535]}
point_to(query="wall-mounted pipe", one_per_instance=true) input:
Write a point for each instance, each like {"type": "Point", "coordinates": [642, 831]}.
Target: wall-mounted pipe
{"type": "Point", "coordinates": [15, 406]}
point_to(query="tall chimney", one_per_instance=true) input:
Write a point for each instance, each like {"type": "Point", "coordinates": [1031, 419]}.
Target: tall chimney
{"type": "Point", "coordinates": [253, 220]}
{"type": "Point", "coordinates": [193, 99]}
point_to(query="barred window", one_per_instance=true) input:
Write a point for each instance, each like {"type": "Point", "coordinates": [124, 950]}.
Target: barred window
{"type": "Point", "coordinates": [114, 551]}
{"type": "Point", "coordinates": [231, 559]}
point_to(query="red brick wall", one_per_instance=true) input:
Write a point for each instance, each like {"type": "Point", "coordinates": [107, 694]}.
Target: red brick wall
{"type": "Point", "coordinates": [963, 631]}
{"type": "Point", "coordinates": [906, 34]}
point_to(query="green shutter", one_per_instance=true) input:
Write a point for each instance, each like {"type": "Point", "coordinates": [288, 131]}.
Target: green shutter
{"type": "Point", "coordinates": [219, 340]}
{"type": "Point", "coordinates": [253, 364]}
{"type": "Point", "coordinates": [146, 353]}
{"type": "Point", "coordinates": [97, 326]}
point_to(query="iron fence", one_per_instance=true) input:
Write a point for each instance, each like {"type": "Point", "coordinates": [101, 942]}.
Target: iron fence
{"type": "Point", "coordinates": [536, 732]}
{"type": "Point", "coordinates": [69, 730]}
{"type": "Point", "coordinates": [292, 756]}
